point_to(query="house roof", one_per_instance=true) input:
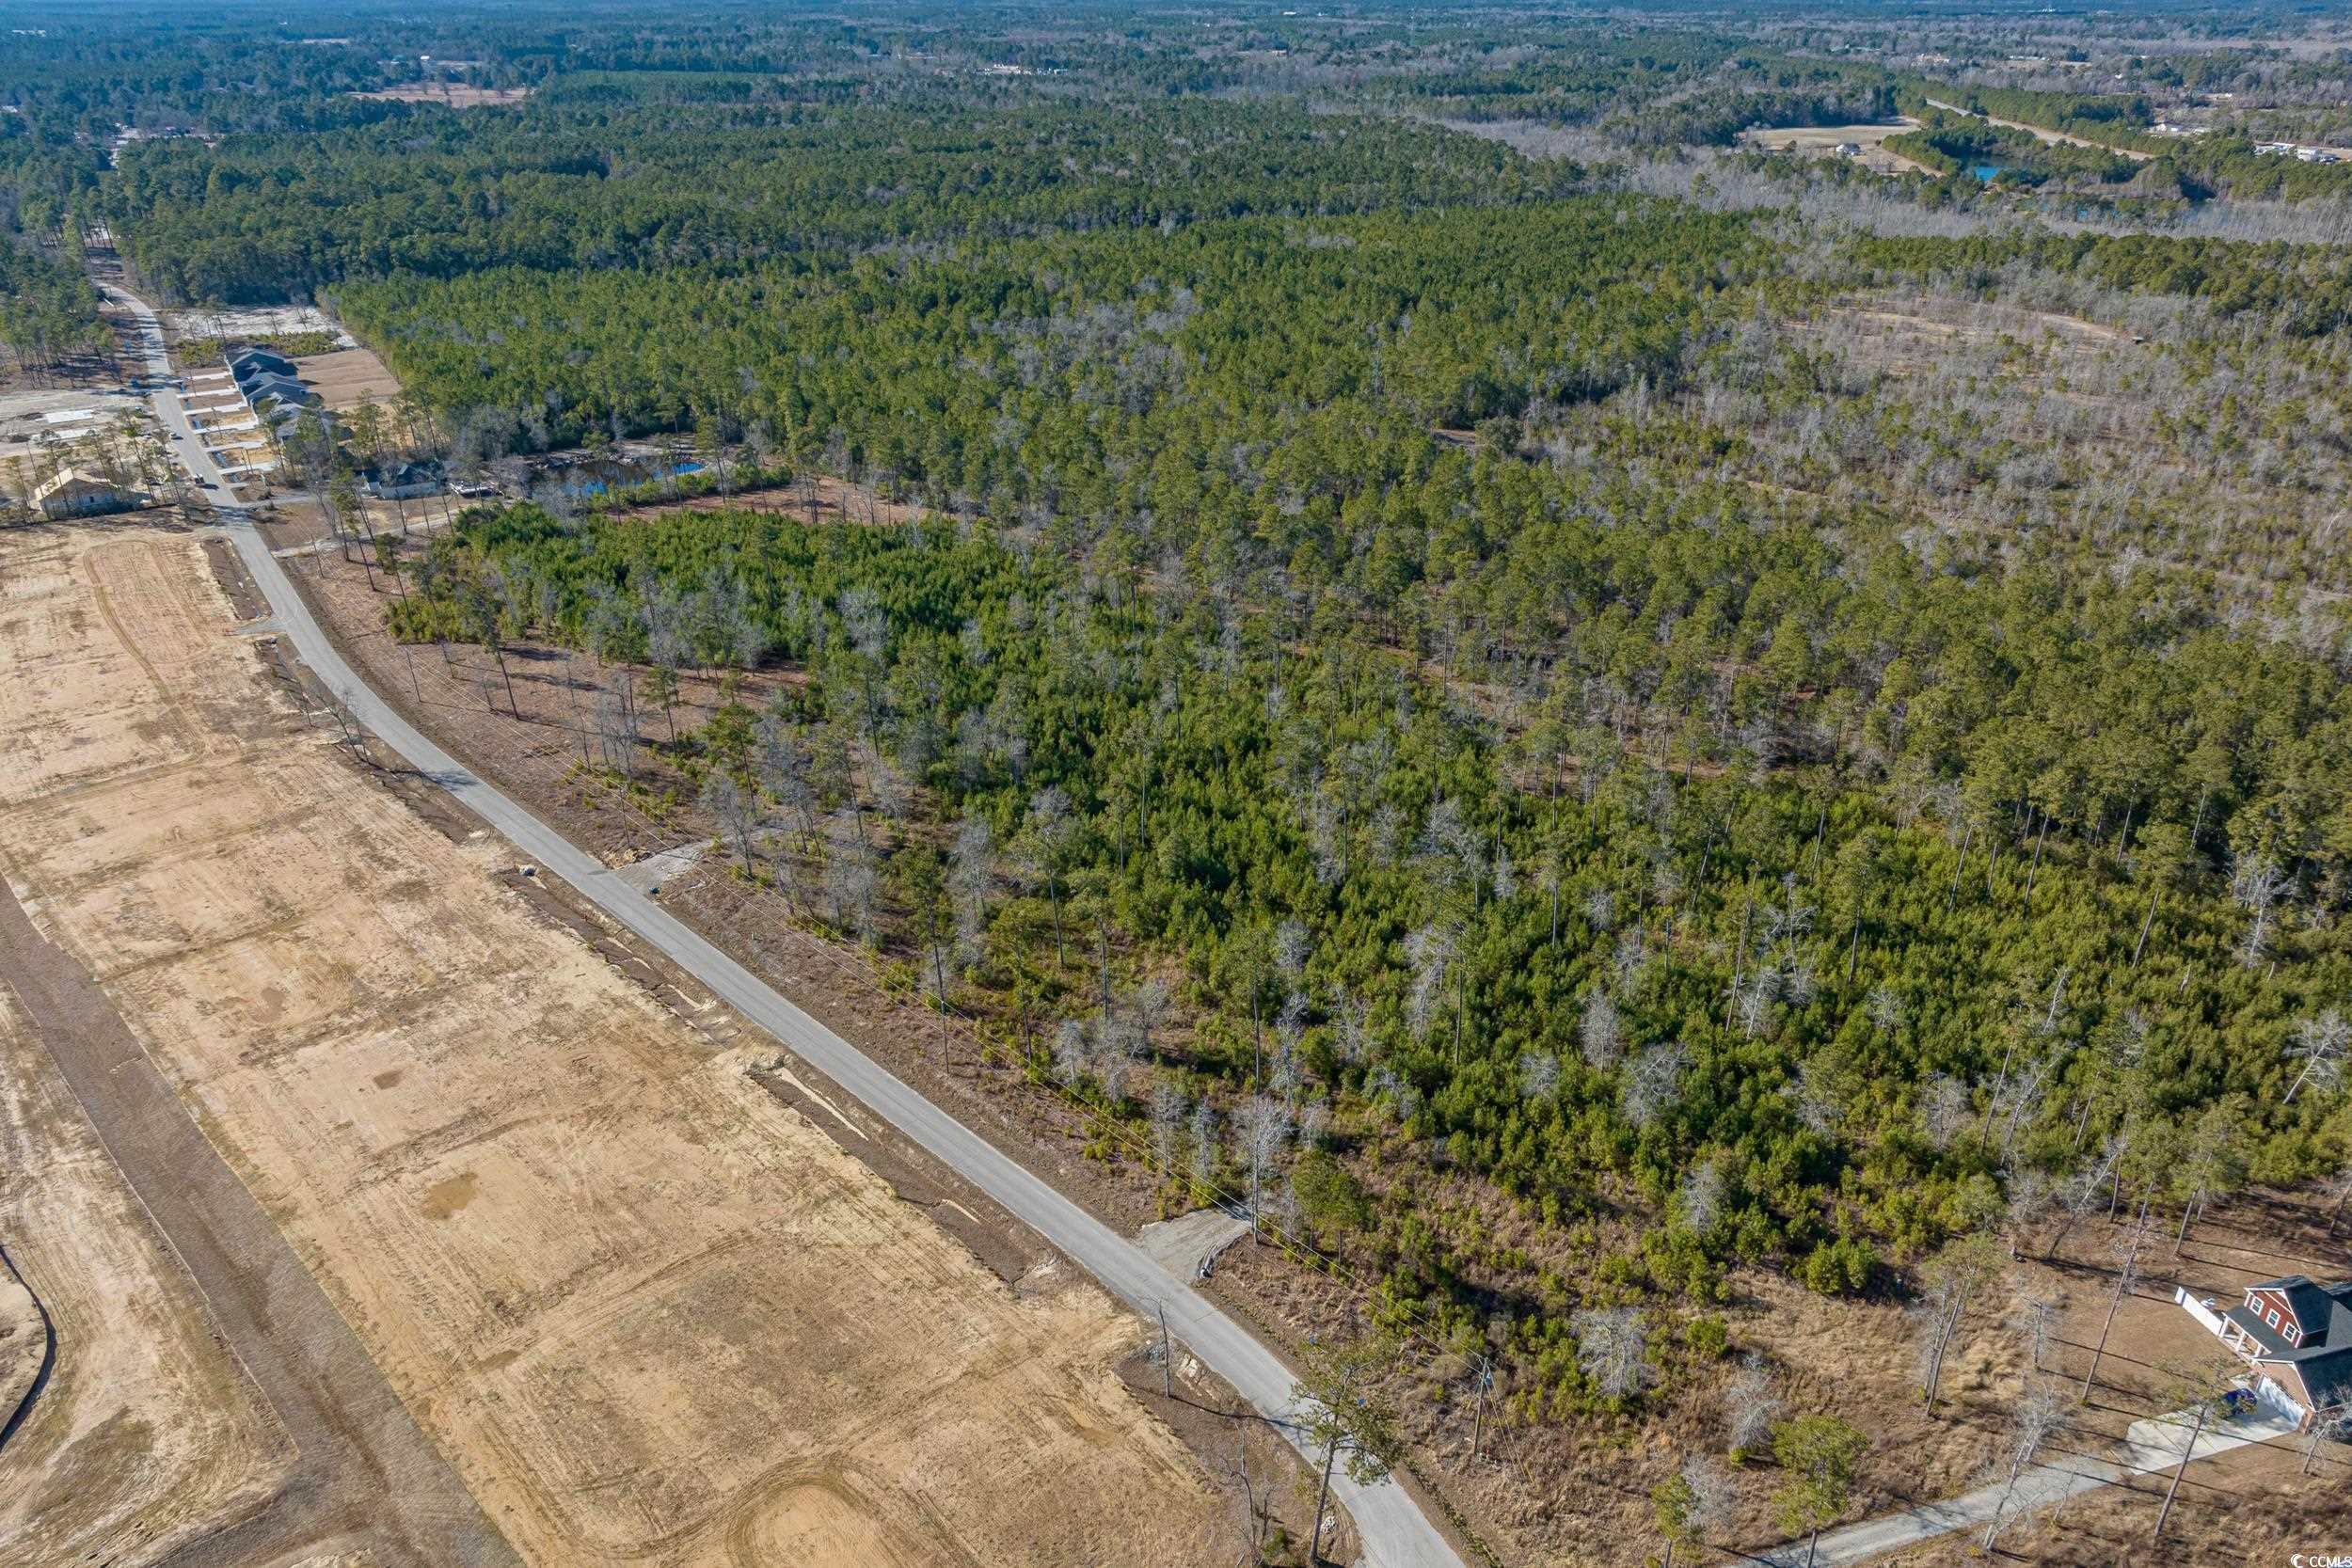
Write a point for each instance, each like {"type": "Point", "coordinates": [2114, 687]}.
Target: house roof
{"type": "Point", "coordinates": [2323, 1312]}
{"type": "Point", "coordinates": [284, 388]}
{"type": "Point", "coordinates": [2325, 1373]}
{"type": "Point", "coordinates": [2269, 1338]}
{"type": "Point", "coordinates": [66, 478]}
{"type": "Point", "coordinates": [261, 360]}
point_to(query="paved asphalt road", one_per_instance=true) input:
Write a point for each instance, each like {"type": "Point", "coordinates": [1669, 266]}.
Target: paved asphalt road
{"type": "Point", "coordinates": [1396, 1533]}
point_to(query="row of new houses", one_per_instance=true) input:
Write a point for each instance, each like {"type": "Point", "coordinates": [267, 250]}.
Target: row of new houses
{"type": "Point", "coordinates": [272, 386]}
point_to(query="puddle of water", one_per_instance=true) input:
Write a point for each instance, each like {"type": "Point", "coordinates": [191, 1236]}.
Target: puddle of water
{"type": "Point", "coordinates": [445, 1198]}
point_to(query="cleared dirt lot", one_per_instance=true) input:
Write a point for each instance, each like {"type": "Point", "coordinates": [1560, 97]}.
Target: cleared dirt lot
{"type": "Point", "coordinates": [650, 1310]}
{"type": "Point", "coordinates": [454, 95]}
{"type": "Point", "coordinates": [1821, 141]}
{"type": "Point", "coordinates": [242, 321]}
{"type": "Point", "coordinates": [346, 377]}
{"type": "Point", "coordinates": [145, 1433]}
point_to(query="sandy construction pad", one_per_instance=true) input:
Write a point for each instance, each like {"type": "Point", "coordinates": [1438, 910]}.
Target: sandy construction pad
{"type": "Point", "coordinates": [146, 1433]}
{"type": "Point", "coordinates": [652, 1314]}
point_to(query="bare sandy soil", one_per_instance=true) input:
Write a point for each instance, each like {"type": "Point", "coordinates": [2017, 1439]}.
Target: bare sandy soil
{"type": "Point", "coordinates": [1822, 141]}
{"type": "Point", "coordinates": [242, 321]}
{"type": "Point", "coordinates": [650, 1310]}
{"type": "Point", "coordinates": [36, 425]}
{"type": "Point", "coordinates": [455, 95]}
{"type": "Point", "coordinates": [23, 1343]}
{"type": "Point", "coordinates": [146, 1433]}
{"type": "Point", "coordinates": [346, 377]}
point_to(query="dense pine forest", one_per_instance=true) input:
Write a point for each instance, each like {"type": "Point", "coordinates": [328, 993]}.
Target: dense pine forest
{"type": "Point", "coordinates": [1464, 622]}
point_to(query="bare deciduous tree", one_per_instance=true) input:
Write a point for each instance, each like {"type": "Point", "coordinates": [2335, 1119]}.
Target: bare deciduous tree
{"type": "Point", "coordinates": [2078, 1195]}
{"type": "Point", "coordinates": [1613, 1347]}
{"type": "Point", "coordinates": [1953, 1277]}
{"type": "Point", "coordinates": [2320, 1044]}
{"type": "Point", "coordinates": [851, 884]}
{"type": "Point", "coordinates": [1600, 1032]}
{"type": "Point", "coordinates": [1205, 1143]}
{"type": "Point", "coordinates": [1943, 1109]}
{"type": "Point", "coordinates": [1430, 950]}
{"type": "Point", "coordinates": [1539, 1074]}
{"type": "Point", "coordinates": [1696, 1501]}
{"type": "Point", "coordinates": [1653, 1084]}
{"type": "Point", "coordinates": [1752, 1403]}
{"type": "Point", "coordinates": [2258, 884]}
{"type": "Point", "coordinates": [1266, 1130]}
{"type": "Point", "coordinates": [2125, 1277]}
{"type": "Point", "coordinates": [2338, 1187]}
{"type": "Point", "coordinates": [735, 809]}
{"type": "Point", "coordinates": [1074, 1052]}
{"type": "Point", "coordinates": [969, 879]}
{"type": "Point", "coordinates": [2039, 1414]}
{"type": "Point", "coordinates": [1168, 1109]}
{"type": "Point", "coordinates": [1700, 1198]}
{"type": "Point", "coordinates": [2034, 1314]}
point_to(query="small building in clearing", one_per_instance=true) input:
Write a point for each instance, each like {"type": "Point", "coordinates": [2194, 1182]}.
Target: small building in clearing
{"type": "Point", "coordinates": [403, 481]}
{"type": "Point", "coordinates": [79, 493]}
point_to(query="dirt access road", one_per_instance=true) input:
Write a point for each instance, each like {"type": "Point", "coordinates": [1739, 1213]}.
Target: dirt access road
{"type": "Point", "coordinates": [1396, 1533]}
{"type": "Point", "coordinates": [2053, 139]}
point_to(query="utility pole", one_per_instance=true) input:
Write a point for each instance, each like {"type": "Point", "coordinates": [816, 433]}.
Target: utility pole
{"type": "Point", "coordinates": [1478, 1415]}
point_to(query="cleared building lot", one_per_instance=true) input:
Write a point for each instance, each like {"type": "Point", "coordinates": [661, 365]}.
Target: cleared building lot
{"type": "Point", "coordinates": [650, 1311]}
{"type": "Point", "coordinates": [145, 1434]}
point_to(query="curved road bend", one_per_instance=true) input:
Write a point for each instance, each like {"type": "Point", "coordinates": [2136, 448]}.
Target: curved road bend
{"type": "Point", "coordinates": [1395, 1533]}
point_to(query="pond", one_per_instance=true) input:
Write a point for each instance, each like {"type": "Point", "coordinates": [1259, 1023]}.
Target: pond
{"type": "Point", "coordinates": [594, 478]}
{"type": "Point", "coordinates": [1989, 172]}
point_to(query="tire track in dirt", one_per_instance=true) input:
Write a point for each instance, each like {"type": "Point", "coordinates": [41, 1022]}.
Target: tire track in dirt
{"type": "Point", "coordinates": [20, 1388]}
{"type": "Point", "coordinates": [366, 1472]}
